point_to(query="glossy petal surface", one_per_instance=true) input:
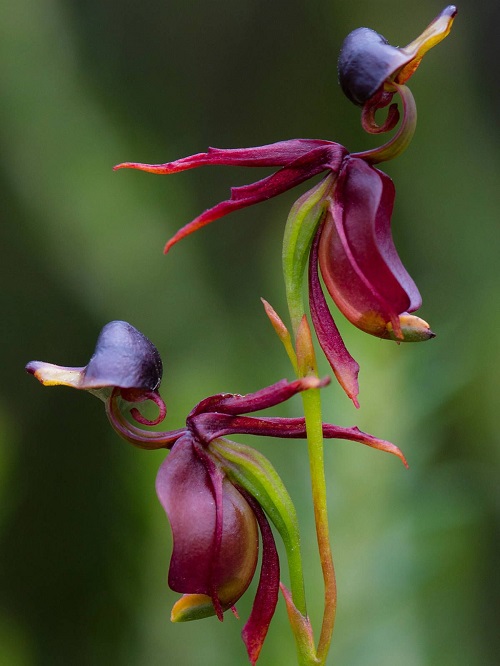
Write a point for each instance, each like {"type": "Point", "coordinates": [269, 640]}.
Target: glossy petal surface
{"type": "Point", "coordinates": [199, 564]}
{"type": "Point", "coordinates": [231, 403]}
{"type": "Point", "coordinates": [123, 357]}
{"type": "Point", "coordinates": [359, 263]}
{"type": "Point", "coordinates": [366, 60]}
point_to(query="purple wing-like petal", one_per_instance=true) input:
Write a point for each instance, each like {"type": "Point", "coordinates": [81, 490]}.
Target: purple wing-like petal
{"type": "Point", "coordinates": [346, 369]}
{"type": "Point", "coordinates": [354, 434]}
{"type": "Point", "coordinates": [230, 403]}
{"type": "Point", "coordinates": [306, 166]}
{"type": "Point", "coordinates": [255, 630]}
{"type": "Point", "coordinates": [212, 426]}
{"type": "Point", "coordinates": [273, 154]}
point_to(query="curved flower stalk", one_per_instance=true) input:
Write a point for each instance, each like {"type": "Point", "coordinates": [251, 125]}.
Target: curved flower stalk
{"type": "Point", "coordinates": [353, 246]}
{"type": "Point", "coordinates": [217, 494]}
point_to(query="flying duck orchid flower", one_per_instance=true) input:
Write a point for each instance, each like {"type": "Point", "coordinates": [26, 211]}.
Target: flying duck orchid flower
{"type": "Point", "coordinates": [348, 214]}
{"type": "Point", "coordinates": [217, 494]}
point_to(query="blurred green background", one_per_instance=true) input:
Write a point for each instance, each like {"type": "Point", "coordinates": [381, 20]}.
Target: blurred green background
{"type": "Point", "coordinates": [84, 543]}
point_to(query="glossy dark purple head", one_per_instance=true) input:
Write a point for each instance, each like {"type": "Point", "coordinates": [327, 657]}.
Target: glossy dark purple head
{"type": "Point", "coordinates": [366, 60]}
{"type": "Point", "coordinates": [124, 357]}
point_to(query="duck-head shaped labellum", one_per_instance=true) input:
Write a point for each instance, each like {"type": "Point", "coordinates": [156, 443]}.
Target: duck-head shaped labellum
{"type": "Point", "coordinates": [123, 358]}
{"type": "Point", "coordinates": [367, 60]}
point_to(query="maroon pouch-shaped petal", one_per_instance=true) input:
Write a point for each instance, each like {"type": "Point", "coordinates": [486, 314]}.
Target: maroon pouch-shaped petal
{"type": "Point", "coordinates": [359, 263]}
{"type": "Point", "coordinates": [206, 559]}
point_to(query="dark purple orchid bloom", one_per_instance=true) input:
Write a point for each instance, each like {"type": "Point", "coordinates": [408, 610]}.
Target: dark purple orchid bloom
{"type": "Point", "coordinates": [353, 246]}
{"type": "Point", "coordinates": [215, 508]}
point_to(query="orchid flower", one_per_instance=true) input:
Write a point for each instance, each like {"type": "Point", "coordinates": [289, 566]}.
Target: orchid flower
{"type": "Point", "coordinates": [350, 230]}
{"type": "Point", "coordinates": [217, 494]}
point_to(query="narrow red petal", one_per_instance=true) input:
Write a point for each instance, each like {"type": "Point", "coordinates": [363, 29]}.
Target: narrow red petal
{"type": "Point", "coordinates": [356, 435]}
{"type": "Point", "coordinates": [272, 154]}
{"type": "Point", "coordinates": [305, 166]}
{"type": "Point", "coordinates": [230, 403]}
{"type": "Point", "coordinates": [212, 426]}
{"type": "Point", "coordinates": [346, 369]}
{"type": "Point", "coordinates": [210, 215]}
{"type": "Point", "coordinates": [255, 630]}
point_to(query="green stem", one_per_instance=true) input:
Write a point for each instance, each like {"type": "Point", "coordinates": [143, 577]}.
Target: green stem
{"type": "Point", "coordinates": [302, 224]}
{"type": "Point", "coordinates": [312, 411]}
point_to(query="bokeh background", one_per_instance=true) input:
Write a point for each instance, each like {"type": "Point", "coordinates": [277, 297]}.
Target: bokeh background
{"type": "Point", "coordinates": [84, 543]}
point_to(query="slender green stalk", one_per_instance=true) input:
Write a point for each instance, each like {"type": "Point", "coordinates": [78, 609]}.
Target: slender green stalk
{"type": "Point", "coordinates": [312, 411]}
{"type": "Point", "coordinates": [302, 224]}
